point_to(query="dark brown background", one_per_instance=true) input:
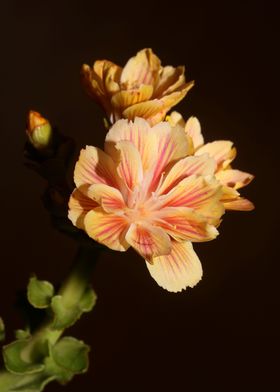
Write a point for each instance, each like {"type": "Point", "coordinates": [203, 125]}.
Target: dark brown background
{"type": "Point", "coordinates": [221, 335]}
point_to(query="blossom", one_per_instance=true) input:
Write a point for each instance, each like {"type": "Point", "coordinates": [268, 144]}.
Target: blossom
{"type": "Point", "coordinates": [143, 88]}
{"type": "Point", "coordinates": [145, 191]}
{"type": "Point", "coordinates": [38, 130]}
{"type": "Point", "coordinates": [223, 152]}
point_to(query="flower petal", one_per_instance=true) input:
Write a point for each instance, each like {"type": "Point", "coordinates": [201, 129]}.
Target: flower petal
{"type": "Point", "coordinates": [178, 270]}
{"type": "Point", "coordinates": [184, 223]}
{"type": "Point", "coordinates": [175, 97]}
{"type": "Point", "coordinates": [169, 80]}
{"type": "Point", "coordinates": [141, 69]}
{"type": "Point", "coordinates": [108, 197]}
{"type": "Point", "coordinates": [234, 178]}
{"type": "Point", "coordinates": [240, 204]}
{"type": "Point", "coordinates": [175, 118]}
{"type": "Point", "coordinates": [137, 132]}
{"type": "Point", "coordinates": [149, 241]}
{"type": "Point", "coordinates": [79, 206]}
{"type": "Point", "coordinates": [122, 99]}
{"type": "Point", "coordinates": [93, 167]}
{"type": "Point", "coordinates": [202, 165]}
{"type": "Point", "coordinates": [193, 130]}
{"type": "Point", "coordinates": [221, 150]}
{"type": "Point", "coordinates": [108, 229]}
{"type": "Point", "coordinates": [153, 111]}
{"type": "Point", "coordinates": [130, 164]}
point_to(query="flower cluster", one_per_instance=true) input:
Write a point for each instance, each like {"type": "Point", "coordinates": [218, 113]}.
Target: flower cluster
{"type": "Point", "coordinates": [156, 186]}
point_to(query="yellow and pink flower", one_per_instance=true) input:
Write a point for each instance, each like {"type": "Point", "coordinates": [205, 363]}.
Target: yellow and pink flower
{"type": "Point", "coordinates": [143, 88]}
{"type": "Point", "coordinates": [223, 152]}
{"type": "Point", "coordinates": [145, 191]}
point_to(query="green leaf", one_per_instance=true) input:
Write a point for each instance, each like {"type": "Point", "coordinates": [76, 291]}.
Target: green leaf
{"type": "Point", "coordinates": [71, 354]}
{"type": "Point", "coordinates": [2, 330]}
{"type": "Point", "coordinates": [15, 361]}
{"type": "Point", "coordinates": [65, 315]}
{"type": "Point", "coordinates": [24, 383]}
{"type": "Point", "coordinates": [39, 293]}
{"type": "Point", "coordinates": [22, 334]}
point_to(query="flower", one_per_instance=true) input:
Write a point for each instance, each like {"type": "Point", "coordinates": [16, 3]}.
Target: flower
{"type": "Point", "coordinates": [224, 153]}
{"type": "Point", "coordinates": [143, 88]}
{"type": "Point", "coordinates": [145, 191]}
{"type": "Point", "coordinates": [39, 130]}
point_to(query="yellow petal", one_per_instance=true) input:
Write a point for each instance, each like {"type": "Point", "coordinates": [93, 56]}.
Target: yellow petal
{"type": "Point", "coordinates": [169, 80]}
{"type": "Point", "coordinates": [234, 178]}
{"type": "Point", "coordinates": [203, 194]}
{"type": "Point", "coordinates": [94, 167]}
{"type": "Point", "coordinates": [110, 199]}
{"type": "Point", "coordinates": [202, 165]}
{"type": "Point", "coordinates": [79, 205]}
{"type": "Point", "coordinates": [240, 204]}
{"type": "Point", "coordinates": [172, 145]}
{"type": "Point", "coordinates": [130, 165]}
{"type": "Point", "coordinates": [141, 69]}
{"type": "Point", "coordinates": [175, 118]}
{"type": "Point", "coordinates": [149, 241]}
{"type": "Point", "coordinates": [153, 111]}
{"type": "Point", "coordinates": [184, 223]}
{"type": "Point", "coordinates": [178, 270]}
{"type": "Point", "coordinates": [108, 229]}
{"type": "Point", "coordinates": [221, 150]}
{"type": "Point", "coordinates": [175, 97]}
{"type": "Point", "coordinates": [193, 129]}
{"type": "Point", "coordinates": [125, 98]}
{"type": "Point", "coordinates": [139, 133]}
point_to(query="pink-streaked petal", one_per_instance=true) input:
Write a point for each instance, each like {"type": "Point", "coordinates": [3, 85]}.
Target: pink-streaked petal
{"type": "Point", "coordinates": [201, 165]}
{"type": "Point", "coordinates": [108, 197]}
{"type": "Point", "coordinates": [79, 205]}
{"type": "Point", "coordinates": [130, 164]}
{"type": "Point", "coordinates": [169, 80]}
{"type": "Point", "coordinates": [139, 133]}
{"type": "Point", "coordinates": [172, 145]}
{"type": "Point", "coordinates": [178, 270]}
{"type": "Point", "coordinates": [149, 241]}
{"type": "Point", "coordinates": [193, 130]}
{"type": "Point", "coordinates": [240, 204]}
{"type": "Point", "coordinates": [141, 69]}
{"type": "Point", "coordinates": [221, 150]}
{"type": "Point", "coordinates": [94, 167]}
{"type": "Point", "coordinates": [183, 223]}
{"type": "Point", "coordinates": [125, 98]}
{"type": "Point", "coordinates": [107, 229]}
{"type": "Point", "coordinates": [234, 178]}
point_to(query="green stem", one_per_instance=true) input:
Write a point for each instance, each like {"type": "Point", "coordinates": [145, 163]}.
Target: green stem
{"type": "Point", "coordinates": [72, 291]}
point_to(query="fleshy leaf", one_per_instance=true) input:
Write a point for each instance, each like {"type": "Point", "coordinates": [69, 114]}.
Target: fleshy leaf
{"type": "Point", "coordinates": [14, 360]}
{"type": "Point", "coordinates": [25, 383]}
{"type": "Point", "coordinates": [71, 355]}
{"type": "Point", "coordinates": [65, 315]}
{"type": "Point", "coordinates": [2, 330]}
{"type": "Point", "coordinates": [39, 293]}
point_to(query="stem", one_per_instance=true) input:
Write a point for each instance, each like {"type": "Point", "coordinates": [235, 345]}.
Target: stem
{"type": "Point", "coordinates": [72, 289]}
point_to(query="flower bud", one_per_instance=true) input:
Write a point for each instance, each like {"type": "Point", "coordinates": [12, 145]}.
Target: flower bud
{"type": "Point", "coordinates": [39, 131]}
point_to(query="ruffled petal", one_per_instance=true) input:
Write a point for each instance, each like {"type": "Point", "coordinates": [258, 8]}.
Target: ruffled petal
{"type": "Point", "coordinates": [79, 205]}
{"type": "Point", "coordinates": [201, 165]}
{"type": "Point", "coordinates": [108, 229]}
{"type": "Point", "coordinates": [94, 167]}
{"type": "Point", "coordinates": [149, 241]}
{"type": "Point", "coordinates": [153, 111]}
{"type": "Point", "coordinates": [175, 97]}
{"type": "Point", "coordinates": [130, 165]}
{"type": "Point", "coordinates": [137, 132]}
{"type": "Point", "coordinates": [108, 197]}
{"type": "Point", "coordinates": [125, 98]}
{"type": "Point", "coordinates": [221, 150]}
{"type": "Point", "coordinates": [141, 69]}
{"type": "Point", "coordinates": [178, 270]}
{"type": "Point", "coordinates": [240, 204]}
{"type": "Point", "coordinates": [169, 80]}
{"type": "Point", "coordinates": [234, 178]}
{"type": "Point", "coordinates": [193, 130]}
{"type": "Point", "coordinates": [184, 223]}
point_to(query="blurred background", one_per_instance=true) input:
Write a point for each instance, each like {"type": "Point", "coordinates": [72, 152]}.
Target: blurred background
{"type": "Point", "coordinates": [222, 334]}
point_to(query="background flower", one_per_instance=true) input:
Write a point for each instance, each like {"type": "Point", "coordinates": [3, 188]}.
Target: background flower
{"type": "Point", "coordinates": [145, 192]}
{"type": "Point", "coordinates": [143, 88]}
{"type": "Point", "coordinates": [223, 152]}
